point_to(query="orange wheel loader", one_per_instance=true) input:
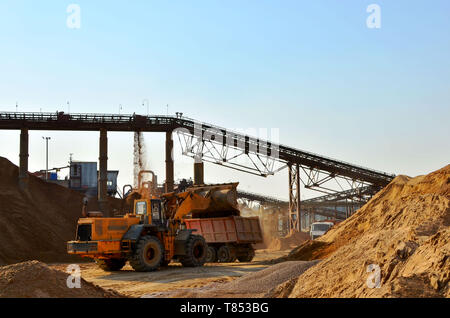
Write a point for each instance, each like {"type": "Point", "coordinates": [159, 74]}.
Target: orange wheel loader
{"type": "Point", "coordinates": [151, 236]}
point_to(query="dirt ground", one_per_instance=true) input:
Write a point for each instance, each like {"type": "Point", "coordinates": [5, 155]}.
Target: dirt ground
{"type": "Point", "coordinates": [164, 282]}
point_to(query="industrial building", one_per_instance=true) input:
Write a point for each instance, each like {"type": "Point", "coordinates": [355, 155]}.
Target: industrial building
{"type": "Point", "coordinates": [83, 177]}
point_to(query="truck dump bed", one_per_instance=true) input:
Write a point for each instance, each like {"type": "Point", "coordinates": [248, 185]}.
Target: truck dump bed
{"type": "Point", "coordinates": [232, 229]}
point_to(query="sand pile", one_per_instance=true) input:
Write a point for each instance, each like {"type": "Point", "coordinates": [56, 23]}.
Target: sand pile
{"type": "Point", "coordinates": [37, 222]}
{"type": "Point", "coordinates": [256, 284]}
{"type": "Point", "coordinates": [36, 279]}
{"type": "Point", "coordinates": [285, 243]}
{"type": "Point", "coordinates": [403, 229]}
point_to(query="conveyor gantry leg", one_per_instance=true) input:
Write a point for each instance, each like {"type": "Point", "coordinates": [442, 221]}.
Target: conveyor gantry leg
{"type": "Point", "coordinates": [294, 198]}
{"type": "Point", "coordinates": [198, 171]}
{"type": "Point", "coordinates": [23, 158]}
{"type": "Point", "coordinates": [103, 174]}
{"type": "Point", "coordinates": [169, 162]}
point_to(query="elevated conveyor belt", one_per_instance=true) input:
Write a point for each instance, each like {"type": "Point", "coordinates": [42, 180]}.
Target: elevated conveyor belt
{"type": "Point", "coordinates": [197, 136]}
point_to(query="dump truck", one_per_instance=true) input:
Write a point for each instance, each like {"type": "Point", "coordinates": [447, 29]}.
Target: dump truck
{"type": "Point", "coordinates": [228, 235]}
{"type": "Point", "coordinates": [155, 232]}
{"type": "Point", "coordinates": [228, 238]}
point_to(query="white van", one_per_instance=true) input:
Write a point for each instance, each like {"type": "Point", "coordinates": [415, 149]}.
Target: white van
{"type": "Point", "coordinates": [319, 229]}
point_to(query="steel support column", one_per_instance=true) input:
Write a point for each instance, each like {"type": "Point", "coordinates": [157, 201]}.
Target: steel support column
{"type": "Point", "coordinates": [169, 162]}
{"type": "Point", "coordinates": [198, 172]}
{"type": "Point", "coordinates": [294, 198]}
{"type": "Point", "coordinates": [310, 217]}
{"type": "Point", "coordinates": [103, 173]}
{"type": "Point", "coordinates": [23, 158]}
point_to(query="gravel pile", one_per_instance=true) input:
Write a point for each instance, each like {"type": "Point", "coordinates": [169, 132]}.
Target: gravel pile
{"type": "Point", "coordinates": [252, 285]}
{"type": "Point", "coordinates": [266, 279]}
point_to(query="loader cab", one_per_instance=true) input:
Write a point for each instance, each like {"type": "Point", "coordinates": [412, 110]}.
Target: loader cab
{"type": "Point", "coordinates": [149, 211]}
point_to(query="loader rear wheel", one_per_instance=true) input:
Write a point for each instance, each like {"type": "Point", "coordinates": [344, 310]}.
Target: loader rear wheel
{"type": "Point", "coordinates": [112, 264]}
{"type": "Point", "coordinates": [195, 252]}
{"type": "Point", "coordinates": [226, 254]}
{"type": "Point", "coordinates": [211, 254]}
{"type": "Point", "coordinates": [149, 254]}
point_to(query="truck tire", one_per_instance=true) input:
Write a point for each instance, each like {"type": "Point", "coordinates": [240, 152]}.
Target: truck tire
{"type": "Point", "coordinates": [226, 254]}
{"type": "Point", "coordinates": [211, 254]}
{"type": "Point", "coordinates": [112, 264]}
{"type": "Point", "coordinates": [149, 254]}
{"type": "Point", "coordinates": [195, 252]}
{"type": "Point", "coordinates": [247, 257]}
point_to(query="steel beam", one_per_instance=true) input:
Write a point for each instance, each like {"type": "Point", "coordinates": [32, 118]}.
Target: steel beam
{"type": "Point", "coordinates": [103, 173]}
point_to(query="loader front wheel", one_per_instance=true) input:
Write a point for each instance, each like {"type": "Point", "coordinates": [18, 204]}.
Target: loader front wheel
{"type": "Point", "coordinates": [149, 254]}
{"type": "Point", "coordinates": [195, 252]}
{"type": "Point", "coordinates": [112, 264]}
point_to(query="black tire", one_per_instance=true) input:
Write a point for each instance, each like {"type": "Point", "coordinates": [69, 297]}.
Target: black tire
{"type": "Point", "coordinates": [247, 257]}
{"type": "Point", "coordinates": [112, 264]}
{"type": "Point", "coordinates": [211, 254]}
{"type": "Point", "coordinates": [149, 254]}
{"type": "Point", "coordinates": [195, 252]}
{"type": "Point", "coordinates": [226, 254]}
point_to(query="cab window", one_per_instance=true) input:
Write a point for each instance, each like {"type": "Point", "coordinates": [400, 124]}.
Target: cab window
{"type": "Point", "coordinates": [321, 227]}
{"type": "Point", "coordinates": [141, 208]}
{"type": "Point", "coordinates": [156, 210]}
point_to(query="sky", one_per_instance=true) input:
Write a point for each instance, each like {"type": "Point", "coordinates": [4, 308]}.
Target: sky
{"type": "Point", "coordinates": [376, 97]}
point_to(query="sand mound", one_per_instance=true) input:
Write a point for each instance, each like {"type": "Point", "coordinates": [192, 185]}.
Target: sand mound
{"type": "Point", "coordinates": [309, 250]}
{"type": "Point", "coordinates": [285, 243]}
{"type": "Point", "coordinates": [403, 229]}
{"type": "Point", "coordinates": [37, 280]}
{"type": "Point", "coordinates": [37, 222]}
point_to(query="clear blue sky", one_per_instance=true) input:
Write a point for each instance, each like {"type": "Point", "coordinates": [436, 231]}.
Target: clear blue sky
{"type": "Point", "coordinates": [375, 97]}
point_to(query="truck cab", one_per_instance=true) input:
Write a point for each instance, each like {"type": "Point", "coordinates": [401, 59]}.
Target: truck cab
{"type": "Point", "coordinates": [319, 228]}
